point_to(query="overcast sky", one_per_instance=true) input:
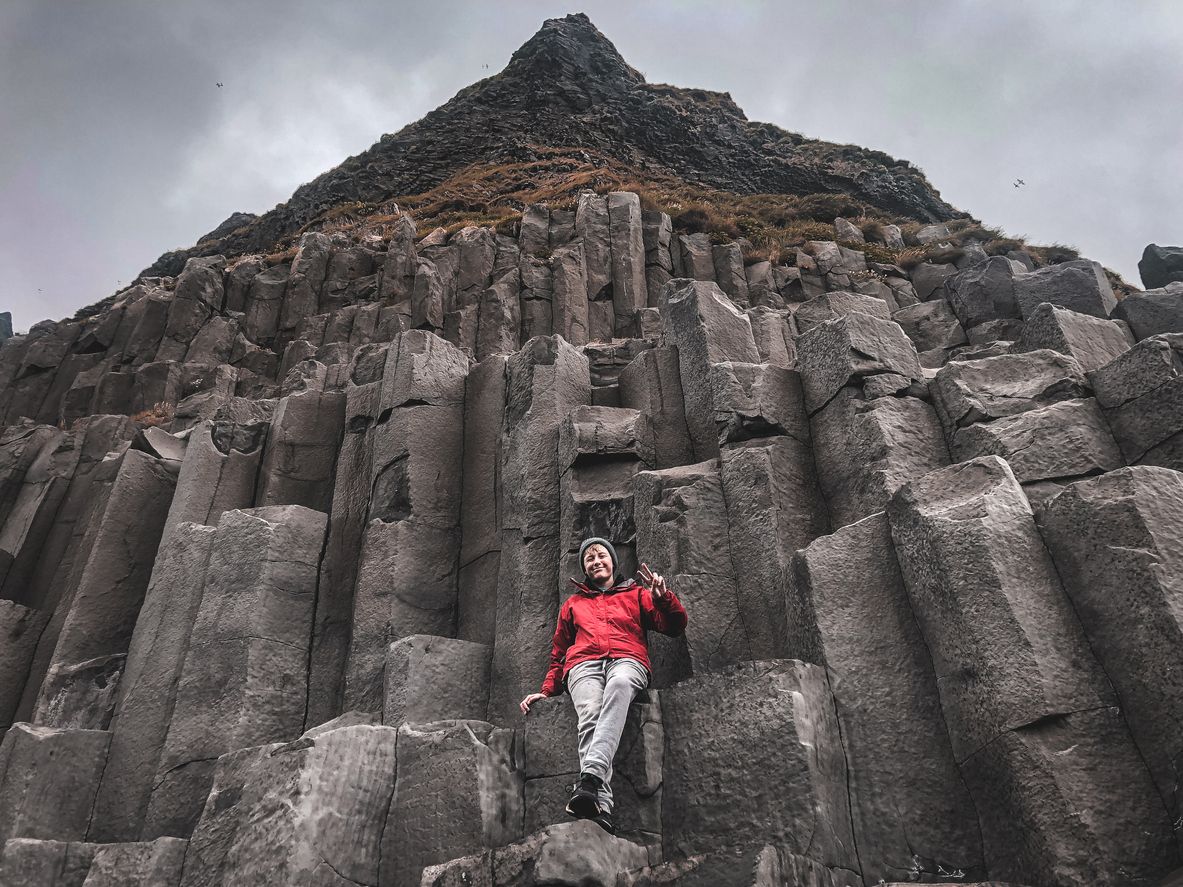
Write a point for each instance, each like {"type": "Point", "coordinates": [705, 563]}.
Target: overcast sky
{"type": "Point", "coordinates": [116, 144]}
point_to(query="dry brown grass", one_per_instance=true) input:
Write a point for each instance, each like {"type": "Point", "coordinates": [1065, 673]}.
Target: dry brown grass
{"type": "Point", "coordinates": [159, 414]}
{"type": "Point", "coordinates": [774, 226]}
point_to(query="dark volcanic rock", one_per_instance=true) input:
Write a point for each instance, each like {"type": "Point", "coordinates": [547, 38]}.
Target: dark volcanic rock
{"type": "Point", "coordinates": [568, 86]}
{"type": "Point", "coordinates": [1161, 265]}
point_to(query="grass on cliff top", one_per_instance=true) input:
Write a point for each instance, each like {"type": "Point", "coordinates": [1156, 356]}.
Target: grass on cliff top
{"type": "Point", "coordinates": [774, 225]}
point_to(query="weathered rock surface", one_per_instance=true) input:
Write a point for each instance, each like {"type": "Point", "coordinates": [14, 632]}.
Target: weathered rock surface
{"type": "Point", "coordinates": [850, 613]}
{"type": "Point", "coordinates": [778, 716]}
{"type": "Point", "coordinates": [1065, 439]}
{"type": "Point", "coordinates": [1141, 393]}
{"type": "Point", "coordinates": [968, 391]}
{"type": "Point", "coordinates": [850, 348]}
{"type": "Point", "coordinates": [1092, 341]}
{"type": "Point", "coordinates": [1026, 703]}
{"type": "Point", "coordinates": [1115, 546]}
{"type": "Point", "coordinates": [1154, 311]}
{"type": "Point", "coordinates": [308, 812]}
{"type": "Point", "coordinates": [1079, 285]}
{"type": "Point", "coordinates": [577, 854]}
{"type": "Point", "coordinates": [48, 779]}
{"type": "Point", "coordinates": [248, 648]}
{"type": "Point", "coordinates": [1160, 265]}
{"type": "Point", "coordinates": [866, 449]}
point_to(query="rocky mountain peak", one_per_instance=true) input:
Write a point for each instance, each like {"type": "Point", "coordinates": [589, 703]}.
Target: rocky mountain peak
{"type": "Point", "coordinates": [570, 55]}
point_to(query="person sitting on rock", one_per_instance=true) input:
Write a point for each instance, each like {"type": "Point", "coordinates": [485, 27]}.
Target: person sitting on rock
{"type": "Point", "coordinates": [600, 653]}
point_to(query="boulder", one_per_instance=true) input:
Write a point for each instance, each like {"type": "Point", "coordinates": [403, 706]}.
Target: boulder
{"type": "Point", "coordinates": [421, 368]}
{"type": "Point", "coordinates": [1093, 341]}
{"type": "Point", "coordinates": [1079, 285]}
{"type": "Point", "coordinates": [866, 449]}
{"type": "Point", "coordinates": [931, 325]}
{"type": "Point", "coordinates": [1153, 312]}
{"type": "Point", "coordinates": [434, 679]}
{"type": "Point", "coordinates": [1160, 266]}
{"type": "Point", "coordinates": [969, 391]}
{"type": "Point", "coordinates": [852, 347]}
{"type": "Point", "coordinates": [778, 716]}
{"type": "Point", "coordinates": [756, 400]}
{"type": "Point", "coordinates": [932, 233]}
{"type": "Point", "coordinates": [1141, 393]}
{"type": "Point", "coordinates": [983, 293]}
{"type": "Point", "coordinates": [927, 279]}
{"type": "Point", "coordinates": [830, 306]}
{"type": "Point", "coordinates": [1065, 439]}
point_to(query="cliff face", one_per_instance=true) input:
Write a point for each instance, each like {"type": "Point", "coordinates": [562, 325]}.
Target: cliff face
{"type": "Point", "coordinates": [283, 545]}
{"type": "Point", "coordinates": [569, 87]}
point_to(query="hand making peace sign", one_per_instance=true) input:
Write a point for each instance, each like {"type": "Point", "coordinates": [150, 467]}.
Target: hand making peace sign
{"type": "Point", "coordinates": [655, 582]}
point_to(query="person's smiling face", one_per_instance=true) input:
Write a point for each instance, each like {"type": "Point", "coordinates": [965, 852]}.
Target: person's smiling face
{"type": "Point", "coordinates": [597, 564]}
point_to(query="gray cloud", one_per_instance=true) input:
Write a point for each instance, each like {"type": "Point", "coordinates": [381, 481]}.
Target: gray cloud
{"type": "Point", "coordinates": [117, 145]}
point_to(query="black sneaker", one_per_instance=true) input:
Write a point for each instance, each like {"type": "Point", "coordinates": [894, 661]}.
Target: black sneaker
{"type": "Point", "coordinates": [604, 821]}
{"type": "Point", "coordinates": [583, 803]}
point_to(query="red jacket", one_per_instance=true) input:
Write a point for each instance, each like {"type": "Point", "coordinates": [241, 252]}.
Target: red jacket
{"type": "Point", "coordinates": [609, 624]}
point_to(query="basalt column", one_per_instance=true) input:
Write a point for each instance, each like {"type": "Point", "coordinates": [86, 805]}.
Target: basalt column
{"type": "Point", "coordinates": [79, 688]}
{"type": "Point", "coordinates": [147, 690]}
{"type": "Point", "coordinates": [246, 669]}
{"type": "Point", "coordinates": [406, 575]}
{"type": "Point", "coordinates": [545, 380]}
{"type": "Point", "coordinates": [1063, 795]}
{"type": "Point", "coordinates": [849, 612]}
{"type": "Point", "coordinates": [338, 570]}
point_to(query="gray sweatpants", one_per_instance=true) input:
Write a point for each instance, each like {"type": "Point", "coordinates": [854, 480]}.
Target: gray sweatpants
{"type": "Point", "coordinates": [602, 690]}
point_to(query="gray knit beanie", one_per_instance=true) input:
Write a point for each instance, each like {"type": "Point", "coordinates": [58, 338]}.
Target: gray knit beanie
{"type": "Point", "coordinates": [596, 540]}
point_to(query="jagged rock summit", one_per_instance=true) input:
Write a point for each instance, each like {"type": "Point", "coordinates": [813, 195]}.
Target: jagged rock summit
{"type": "Point", "coordinates": [568, 87]}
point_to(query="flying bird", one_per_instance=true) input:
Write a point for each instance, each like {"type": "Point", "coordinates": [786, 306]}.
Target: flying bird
{"type": "Point", "coordinates": [1019, 183]}
{"type": "Point", "coordinates": [219, 86]}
